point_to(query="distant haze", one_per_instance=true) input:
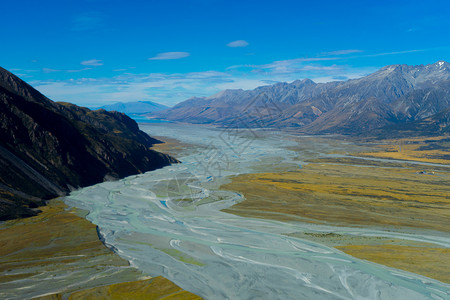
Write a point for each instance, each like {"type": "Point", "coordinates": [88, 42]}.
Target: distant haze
{"type": "Point", "coordinates": [138, 107]}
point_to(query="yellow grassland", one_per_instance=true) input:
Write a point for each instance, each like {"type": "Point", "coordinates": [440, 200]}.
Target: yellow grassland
{"type": "Point", "coordinates": [410, 150]}
{"type": "Point", "coordinates": [426, 260]}
{"type": "Point", "coordinates": [348, 192]}
{"type": "Point", "coordinates": [348, 195]}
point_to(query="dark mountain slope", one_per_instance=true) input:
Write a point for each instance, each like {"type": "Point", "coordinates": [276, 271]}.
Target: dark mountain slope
{"type": "Point", "coordinates": [48, 148]}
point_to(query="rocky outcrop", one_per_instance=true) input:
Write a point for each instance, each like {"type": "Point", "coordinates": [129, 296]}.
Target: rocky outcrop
{"type": "Point", "coordinates": [48, 149]}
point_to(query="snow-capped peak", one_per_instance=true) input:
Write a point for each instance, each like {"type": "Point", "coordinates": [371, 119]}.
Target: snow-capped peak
{"type": "Point", "coordinates": [441, 64]}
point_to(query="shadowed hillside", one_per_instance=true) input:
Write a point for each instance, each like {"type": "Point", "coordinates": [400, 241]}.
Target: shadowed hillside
{"type": "Point", "coordinates": [48, 149]}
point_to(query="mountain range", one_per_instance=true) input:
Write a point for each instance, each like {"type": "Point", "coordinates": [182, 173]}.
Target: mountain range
{"type": "Point", "coordinates": [136, 107]}
{"type": "Point", "coordinates": [393, 98]}
{"type": "Point", "coordinates": [48, 149]}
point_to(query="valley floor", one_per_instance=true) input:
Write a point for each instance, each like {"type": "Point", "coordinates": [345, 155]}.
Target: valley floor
{"type": "Point", "coordinates": [380, 209]}
{"type": "Point", "coordinates": [361, 191]}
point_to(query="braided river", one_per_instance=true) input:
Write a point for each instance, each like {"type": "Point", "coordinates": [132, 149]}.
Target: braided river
{"type": "Point", "coordinates": [169, 222]}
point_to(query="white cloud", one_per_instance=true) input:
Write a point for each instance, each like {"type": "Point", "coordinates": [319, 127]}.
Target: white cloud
{"type": "Point", "coordinates": [320, 68]}
{"type": "Point", "coordinates": [238, 43]}
{"type": "Point", "coordinates": [48, 70]}
{"type": "Point", "coordinates": [342, 52]}
{"type": "Point", "coordinates": [170, 89]}
{"type": "Point", "coordinates": [163, 88]}
{"type": "Point", "coordinates": [317, 68]}
{"type": "Point", "coordinates": [92, 63]}
{"type": "Point", "coordinates": [393, 53]}
{"type": "Point", "coordinates": [291, 66]}
{"type": "Point", "coordinates": [170, 55]}
{"type": "Point", "coordinates": [78, 70]}
{"type": "Point", "coordinates": [242, 83]}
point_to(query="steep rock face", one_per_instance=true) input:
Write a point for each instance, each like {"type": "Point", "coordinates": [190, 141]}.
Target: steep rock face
{"type": "Point", "coordinates": [48, 148]}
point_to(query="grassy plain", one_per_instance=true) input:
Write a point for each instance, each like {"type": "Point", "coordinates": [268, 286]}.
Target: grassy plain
{"type": "Point", "coordinates": [348, 195]}
{"type": "Point", "coordinates": [427, 149]}
{"type": "Point", "coordinates": [352, 191]}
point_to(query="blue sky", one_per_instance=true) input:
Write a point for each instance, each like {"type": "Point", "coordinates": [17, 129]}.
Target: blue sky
{"type": "Point", "coordinates": [96, 52]}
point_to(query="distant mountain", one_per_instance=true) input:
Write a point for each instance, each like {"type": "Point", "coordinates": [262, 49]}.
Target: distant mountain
{"type": "Point", "coordinates": [138, 107]}
{"type": "Point", "coordinates": [223, 108]}
{"type": "Point", "coordinates": [393, 95]}
{"type": "Point", "coordinates": [48, 149]}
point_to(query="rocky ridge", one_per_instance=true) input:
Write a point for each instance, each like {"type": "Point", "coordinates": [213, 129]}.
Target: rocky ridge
{"type": "Point", "coordinates": [394, 95]}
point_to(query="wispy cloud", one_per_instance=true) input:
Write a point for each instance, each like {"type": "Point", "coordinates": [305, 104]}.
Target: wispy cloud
{"type": "Point", "coordinates": [314, 66]}
{"type": "Point", "coordinates": [238, 43]}
{"type": "Point", "coordinates": [87, 21]}
{"type": "Point", "coordinates": [172, 88]}
{"type": "Point", "coordinates": [296, 60]}
{"type": "Point", "coordinates": [170, 55]}
{"type": "Point", "coordinates": [49, 70]}
{"type": "Point", "coordinates": [412, 29]}
{"type": "Point", "coordinates": [354, 51]}
{"type": "Point", "coordinates": [341, 52]}
{"type": "Point", "coordinates": [292, 66]}
{"type": "Point", "coordinates": [163, 88]}
{"type": "Point", "coordinates": [92, 63]}
{"type": "Point", "coordinates": [391, 53]}
{"type": "Point", "coordinates": [78, 70]}
{"type": "Point", "coordinates": [320, 68]}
